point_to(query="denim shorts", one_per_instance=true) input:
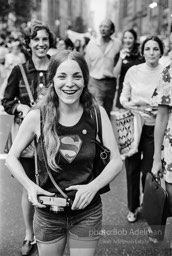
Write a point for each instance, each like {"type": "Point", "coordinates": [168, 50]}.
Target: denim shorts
{"type": "Point", "coordinates": [82, 225]}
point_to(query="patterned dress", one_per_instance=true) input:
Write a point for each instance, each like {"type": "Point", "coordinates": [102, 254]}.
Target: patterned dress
{"type": "Point", "coordinates": [163, 96]}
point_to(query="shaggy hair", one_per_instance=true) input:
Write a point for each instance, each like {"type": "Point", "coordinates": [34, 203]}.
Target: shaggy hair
{"type": "Point", "coordinates": [31, 31]}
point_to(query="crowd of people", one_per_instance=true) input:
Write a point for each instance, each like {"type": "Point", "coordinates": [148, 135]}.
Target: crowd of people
{"type": "Point", "coordinates": [55, 126]}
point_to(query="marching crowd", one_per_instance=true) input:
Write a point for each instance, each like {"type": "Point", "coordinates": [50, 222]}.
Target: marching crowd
{"type": "Point", "coordinates": [61, 94]}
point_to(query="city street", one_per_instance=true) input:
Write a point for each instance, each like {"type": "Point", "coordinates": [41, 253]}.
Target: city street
{"type": "Point", "coordinates": [118, 236]}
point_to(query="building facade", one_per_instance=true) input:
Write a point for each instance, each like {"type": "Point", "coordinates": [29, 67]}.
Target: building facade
{"type": "Point", "coordinates": [139, 15]}
{"type": "Point", "coordinates": [78, 16]}
{"type": "Point", "coordinates": [64, 14]}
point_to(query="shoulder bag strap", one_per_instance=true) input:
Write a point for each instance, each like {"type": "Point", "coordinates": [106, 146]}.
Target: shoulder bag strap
{"type": "Point", "coordinates": [27, 85]}
{"type": "Point", "coordinates": [31, 103]}
{"type": "Point", "coordinates": [46, 165]}
{"type": "Point", "coordinates": [36, 163]}
{"type": "Point", "coordinates": [98, 122]}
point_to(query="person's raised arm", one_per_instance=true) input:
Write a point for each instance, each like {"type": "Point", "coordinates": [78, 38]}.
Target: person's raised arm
{"type": "Point", "coordinates": [117, 69]}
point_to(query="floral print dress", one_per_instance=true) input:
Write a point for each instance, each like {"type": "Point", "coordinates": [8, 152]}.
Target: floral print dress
{"type": "Point", "coordinates": [163, 96]}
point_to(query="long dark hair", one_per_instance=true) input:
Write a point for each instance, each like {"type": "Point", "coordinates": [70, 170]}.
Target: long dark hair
{"type": "Point", "coordinates": [135, 49]}
{"type": "Point", "coordinates": [49, 104]}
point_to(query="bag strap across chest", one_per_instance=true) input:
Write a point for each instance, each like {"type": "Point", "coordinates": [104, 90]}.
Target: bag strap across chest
{"type": "Point", "coordinates": [32, 102]}
{"type": "Point", "coordinates": [45, 161]}
{"type": "Point", "coordinates": [98, 122]}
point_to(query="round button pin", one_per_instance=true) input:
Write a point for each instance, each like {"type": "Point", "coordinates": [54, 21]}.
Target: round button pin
{"type": "Point", "coordinates": [84, 131]}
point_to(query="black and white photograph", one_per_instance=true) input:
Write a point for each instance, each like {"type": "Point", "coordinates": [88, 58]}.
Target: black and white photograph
{"type": "Point", "coordinates": [85, 127]}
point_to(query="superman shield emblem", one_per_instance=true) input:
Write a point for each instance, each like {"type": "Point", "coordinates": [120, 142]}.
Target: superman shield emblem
{"type": "Point", "coordinates": [70, 146]}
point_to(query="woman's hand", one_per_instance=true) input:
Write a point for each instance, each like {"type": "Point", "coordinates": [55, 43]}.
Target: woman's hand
{"type": "Point", "coordinates": [157, 167]}
{"type": "Point", "coordinates": [84, 195]}
{"type": "Point", "coordinates": [123, 53]}
{"type": "Point", "coordinates": [23, 109]}
{"type": "Point", "coordinates": [34, 191]}
{"type": "Point", "coordinates": [129, 105]}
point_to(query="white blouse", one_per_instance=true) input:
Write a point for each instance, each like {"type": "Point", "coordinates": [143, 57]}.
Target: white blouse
{"type": "Point", "coordinates": [139, 84]}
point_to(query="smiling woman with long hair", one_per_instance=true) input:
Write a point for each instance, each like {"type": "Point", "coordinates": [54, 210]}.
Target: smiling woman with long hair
{"type": "Point", "coordinates": [64, 123]}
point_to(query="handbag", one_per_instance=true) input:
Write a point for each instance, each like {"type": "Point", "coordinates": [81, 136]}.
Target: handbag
{"type": "Point", "coordinates": [155, 206]}
{"type": "Point", "coordinates": [123, 126]}
{"type": "Point", "coordinates": [102, 156]}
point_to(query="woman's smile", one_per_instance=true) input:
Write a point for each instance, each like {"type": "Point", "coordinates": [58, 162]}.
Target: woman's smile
{"type": "Point", "coordinates": [69, 92]}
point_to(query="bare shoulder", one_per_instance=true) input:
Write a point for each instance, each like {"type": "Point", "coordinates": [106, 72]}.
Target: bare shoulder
{"type": "Point", "coordinates": [33, 115]}
{"type": "Point", "coordinates": [32, 120]}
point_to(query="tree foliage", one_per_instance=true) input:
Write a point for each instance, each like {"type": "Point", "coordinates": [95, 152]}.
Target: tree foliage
{"type": "Point", "coordinates": [21, 8]}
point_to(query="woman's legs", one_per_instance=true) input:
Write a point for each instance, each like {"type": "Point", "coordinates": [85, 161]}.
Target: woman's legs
{"type": "Point", "coordinates": [27, 208]}
{"type": "Point", "coordinates": [52, 249]}
{"type": "Point", "coordinates": [28, 211]}
{"type": "Point", "coordinates": [132, 165]}
{"type": "Point", "coordinates": [84, 248]}
{"type": "Point", "coordinates": [77, 248]}
{"type": "Point", "coordinates": [147, 145]}
{"type": "Point", "coordinates": [85, 231]}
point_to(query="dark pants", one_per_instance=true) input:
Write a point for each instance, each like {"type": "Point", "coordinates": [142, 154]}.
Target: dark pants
{"type": "Point", "coordinates": [139, 162]}
{"type": "Point", "coordinates": [104, 92]}
{"type": "Point", "coordinates": [118, 104]}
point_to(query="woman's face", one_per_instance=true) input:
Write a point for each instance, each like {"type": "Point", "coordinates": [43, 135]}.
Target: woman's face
{"type": "Point", "coordinates": [152, 53]}
{"type": "Point", "coordinates": [40, 44]}
{"type": "Point", "coordinates": [128, 40]}
{"type": "Point", "coordinates": [69, 82]}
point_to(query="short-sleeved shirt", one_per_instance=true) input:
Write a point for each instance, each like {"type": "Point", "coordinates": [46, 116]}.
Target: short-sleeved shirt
{"type": "Point", "coordinates": [163, 96]}
{"type": "Point", "coordinates": [101, 63]}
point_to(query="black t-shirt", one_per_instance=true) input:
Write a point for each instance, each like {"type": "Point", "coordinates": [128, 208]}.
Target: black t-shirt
{"type": "Point", "coordinates": [75, 157]}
